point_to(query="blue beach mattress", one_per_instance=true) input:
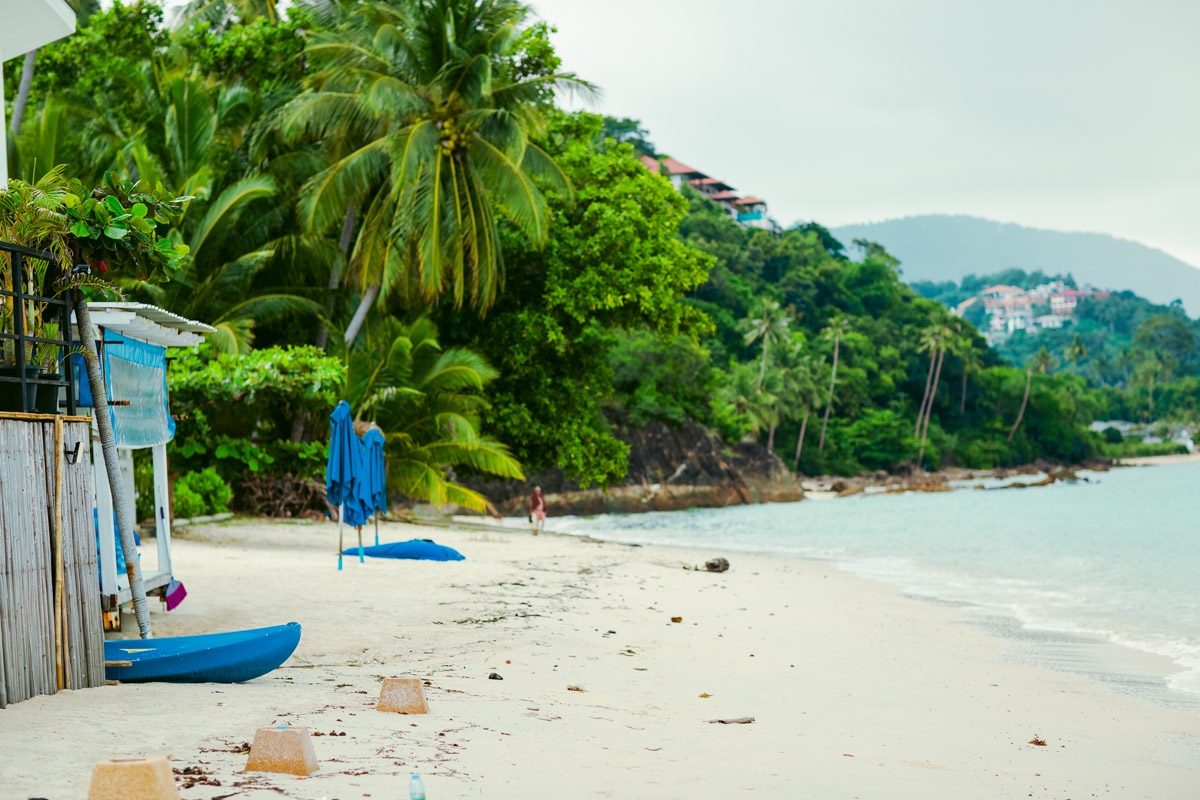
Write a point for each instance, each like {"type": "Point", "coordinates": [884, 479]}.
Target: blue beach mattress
{"type": "Point", "coordinates": [422, 549]}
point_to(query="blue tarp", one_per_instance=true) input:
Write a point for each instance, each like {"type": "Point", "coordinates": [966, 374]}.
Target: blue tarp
{"type": "Point", "coordinates": [413, 548]}
{"type": "Point", "coordinates": [346, 472]}
{"type": "Point", "coordinates": [135, 372]}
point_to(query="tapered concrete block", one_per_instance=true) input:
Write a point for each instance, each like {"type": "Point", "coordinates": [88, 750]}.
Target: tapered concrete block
{"type": "Point", "coordinates": [403, 696]}
{"type": "Point", "coordinates": [286, 750]}
{"type": "Point", "coordinates": [133, 779]}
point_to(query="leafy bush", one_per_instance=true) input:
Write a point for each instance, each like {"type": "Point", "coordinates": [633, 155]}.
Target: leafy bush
{"type": "Point", "coordinates": [199, 493]}
{"type": "Point", "coordinates": [187, 503]}
{"type": "Point", "coordinates": [240, 410]}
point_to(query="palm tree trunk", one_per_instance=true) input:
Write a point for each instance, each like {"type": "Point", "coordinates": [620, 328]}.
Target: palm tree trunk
{"type": "Point", "coordinates": [23, 92]}
{"type": "Point", "coordinates": [800, 440]}
{"type": "Point", "coordinates": [937, 378]}
{"type": "Point", "coordinates": [335, 276]}
{"type": "Point", "coordinates": [1024, 400]}
{"type": "Point", "coordinates": [939, 357]}
{"type": "Point", "coordinates": [962, 406]}
{"type": "Point", "coordinates": [771, 438]}
{"type": "Point", "coordinates": [121, 501]}
{"type": "Point", "coordinates": [360, 314]}
{"type": "Point", "coordinates": [829, 401]}
{"type": "Point", "coordinates": [925, 397]}
{"type": "Point", "coordinates": [335, 281]}
{"type": "Point", "coordinates": [762, 370]}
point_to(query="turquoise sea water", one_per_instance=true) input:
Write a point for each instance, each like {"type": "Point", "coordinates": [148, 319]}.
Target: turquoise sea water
{"type": "Point", "coordinates": [1112, 559]}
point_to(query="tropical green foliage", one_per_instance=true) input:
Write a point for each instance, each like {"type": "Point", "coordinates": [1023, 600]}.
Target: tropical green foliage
{"type": "Point", "coordinates": [498, 284]}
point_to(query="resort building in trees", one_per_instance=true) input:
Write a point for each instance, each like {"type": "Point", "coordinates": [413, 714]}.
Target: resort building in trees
{"type": "Point", "coordinates": [748, 211]}
{"type": "Point", "coordinates": [1010, 308]}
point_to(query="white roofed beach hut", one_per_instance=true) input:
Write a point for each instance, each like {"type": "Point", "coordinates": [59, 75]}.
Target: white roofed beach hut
{"type": "Point", "coordinates": [132, 340]}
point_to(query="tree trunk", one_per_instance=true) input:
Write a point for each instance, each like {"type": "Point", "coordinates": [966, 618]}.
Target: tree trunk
{"type": "Point", "coordinates": [1024, 400]}
{"type": "Point", "coordinates": [122, 503]}
{"type": "Point", "coordinates": [962, 406]}
{"type": "Point", "coordinates": [335, 281]}
{"type": "Point", "coordinates": [762, 370]}
{"type": "Point", "coordinates": [937, 377]}
{"type": "Point", "coordinates": [23, 93]}
{"type": "Point", "coordinates": [360, 314]}
{"type": "Point", "coordinates": [800, 440]}
{"type": "Point", "coordinates": [771, 438]}
{"type": "Point", "coordinates": [925, 397]}
{"type": "Point", "coordinates": [829, 401]}
{"type": "Point", "coordinates": [335, 276]}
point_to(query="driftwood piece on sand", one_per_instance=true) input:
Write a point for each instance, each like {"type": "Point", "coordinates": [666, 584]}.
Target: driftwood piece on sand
{"type": "Point", "coordinates": [733, 721]}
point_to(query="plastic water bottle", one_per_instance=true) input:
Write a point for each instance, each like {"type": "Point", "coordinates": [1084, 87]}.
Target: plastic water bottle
{"type": "Point", "coordinates": [416, 789]}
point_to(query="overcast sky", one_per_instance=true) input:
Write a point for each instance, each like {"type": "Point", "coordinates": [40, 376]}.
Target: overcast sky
{"type": "Point", "coordinates": [1068, 115]}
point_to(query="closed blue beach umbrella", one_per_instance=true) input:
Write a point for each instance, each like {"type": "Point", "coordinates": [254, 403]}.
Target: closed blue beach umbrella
{"type": "Point", "coordinates": [376, 479]}
{"type": "Point", "coordinates": [346, 473]}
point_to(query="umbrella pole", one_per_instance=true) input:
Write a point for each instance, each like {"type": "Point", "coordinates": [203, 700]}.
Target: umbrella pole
{"type": "Point", "coordinates": [361, 559]}
{"type": "Point", "coordinates": [341, 514]}
{"type": "Point", "coordinates": [377, 530]}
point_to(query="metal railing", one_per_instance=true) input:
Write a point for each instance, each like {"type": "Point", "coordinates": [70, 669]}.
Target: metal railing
{"type": "Point", "coordinates": [24, 293]}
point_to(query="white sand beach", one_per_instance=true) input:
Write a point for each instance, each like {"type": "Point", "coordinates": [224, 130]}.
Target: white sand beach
{"type": "Point", "coordinates": [856, 690]}
{"type": "Point", "coordinates": [1150, 461]}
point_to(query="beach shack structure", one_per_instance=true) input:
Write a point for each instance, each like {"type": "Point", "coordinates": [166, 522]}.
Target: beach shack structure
{"type": "Point", "coordinates": [132, 340]}
{"type": "Point", "coordinates": [50, 623]}
{"type": "Point", "coordinates": [28, 24]}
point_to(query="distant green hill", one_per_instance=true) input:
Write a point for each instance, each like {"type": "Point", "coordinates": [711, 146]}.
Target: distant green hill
{"type": "Point", "coordinates": [946, 248]}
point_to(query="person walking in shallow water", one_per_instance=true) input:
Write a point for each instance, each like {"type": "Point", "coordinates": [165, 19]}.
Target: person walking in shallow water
{"type": "Point", "coordinates": [537, 511]}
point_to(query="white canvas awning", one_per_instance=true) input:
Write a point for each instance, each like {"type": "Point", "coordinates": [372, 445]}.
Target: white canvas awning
{"type": "Point", "coordinates": [27, 25]}
{"type": "Point", "coordinates": [147, 323]}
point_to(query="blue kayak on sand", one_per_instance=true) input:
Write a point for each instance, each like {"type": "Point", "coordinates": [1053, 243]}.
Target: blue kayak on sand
{"type": "Point", "coordinates": [232, 657]}
{"type": "Point", "coordinates": [422, 549]}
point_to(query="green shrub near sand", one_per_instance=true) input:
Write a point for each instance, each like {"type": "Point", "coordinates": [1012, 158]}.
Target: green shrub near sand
{"type": "Point", "coordinates": [200, 493]}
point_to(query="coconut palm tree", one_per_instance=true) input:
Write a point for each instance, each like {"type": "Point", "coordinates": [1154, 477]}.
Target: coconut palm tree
{"type": "Point", "coordinates": [807, 395]}
{"type": "Point", "coordinates": [970, 366]}
{"type": "Point", "coordinates": [756, 403]}
{"type": "Point", "coordinates": [1041, 363]}
{"type": "Point", "coordinates": [835, 330]}
{"type": "Point", "coordinates": [941, 338]}
{"type": "Point", "coordinates": [445, 124]}
{"type": "Point", "coordinates": [428, 403]}
{"type": "Point", "coordinates": [929, 343]}
{"type": "Point", "coordinates": [1075, 351]}
{"type": "Point", "coordinates": [769, 323]}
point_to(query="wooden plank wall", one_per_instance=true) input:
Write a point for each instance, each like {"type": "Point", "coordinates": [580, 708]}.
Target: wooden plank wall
{"type": "Point", "coordinates": [29, 645]}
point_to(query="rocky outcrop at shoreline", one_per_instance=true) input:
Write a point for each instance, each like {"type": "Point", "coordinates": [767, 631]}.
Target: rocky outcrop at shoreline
{"type": "Point", "coordinates": [670, 469]}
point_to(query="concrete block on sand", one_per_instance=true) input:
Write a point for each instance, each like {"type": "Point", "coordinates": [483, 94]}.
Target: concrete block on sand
{"type": "Point", "coordinates": [286, 750]}
{"type": "Point", "coordinates": [133, 779]}
{"type": "Point", "coordinates": [403, 696]}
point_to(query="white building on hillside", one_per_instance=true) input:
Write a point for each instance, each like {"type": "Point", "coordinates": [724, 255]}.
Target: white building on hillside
{"type": "Point", "coordinates": [749, 211]}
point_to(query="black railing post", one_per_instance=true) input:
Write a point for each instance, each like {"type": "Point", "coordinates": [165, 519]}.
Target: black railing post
{"type": "Point", "coordinates": [18, 280]}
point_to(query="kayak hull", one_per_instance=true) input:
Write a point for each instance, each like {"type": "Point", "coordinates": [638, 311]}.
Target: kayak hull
{"type": "Point", "coordinates": [233, 657]}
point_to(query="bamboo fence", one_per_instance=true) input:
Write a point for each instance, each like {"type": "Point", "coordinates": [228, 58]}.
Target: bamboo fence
{"type": "Point", "coordinates": [50, 620]}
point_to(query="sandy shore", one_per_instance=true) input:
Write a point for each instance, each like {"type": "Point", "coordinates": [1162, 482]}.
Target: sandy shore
{"type": "Point", "coordinates": [1147, 461]}
{"type": "Point", "coordinates": [856, 691]}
